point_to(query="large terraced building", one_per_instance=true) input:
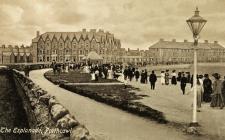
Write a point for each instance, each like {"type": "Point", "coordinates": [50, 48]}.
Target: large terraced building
{"type": "Point", "coordinates": [73, 46]}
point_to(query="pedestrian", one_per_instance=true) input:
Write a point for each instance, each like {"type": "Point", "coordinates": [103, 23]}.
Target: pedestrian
{"type": "Point", "coordinates": [188, 77]}
{"type": "Point", "coordinates": [27, 70]}
{"type": "Point", "coordinates": [130, 74]}
{"type": "Point", "coordinates": [174, 78]}
{"type": "Point", "coordinates": [179, 76]}
{"type": "Point", "coordinates": [142, 77]}
{"type": "Point", "coordinates": [223, 90]}
{"type": "Point", "coordinates": [191, 81]}
{"type": "Point", "coordinates": [167, 77]}
{"type": "Point", "coordinates": [54, 67]}
{"type": "Point", "coordinates": [217, 97]}
{"type": "Point", "coordinates": [199, 94]}
{"type": "Point", "coordinates": [152, 80]}
{"type": "Point", "coordinates": [125, 73]}
{"type": "Point", "coordinates": [137, 74]}
{"type": "Point", "coordinates": [105, 71]}
{"type": "Point", "coordinates": [207, 86]}
{"type": "Point", "coordinates": [162, 77]}
{"type": "Point", "coordinates": [183, 82]}
{"type": "Point", "coordinates": [58, 67]}
{"type": "Point", "coordinates": [146, 76]}
{"type": "Point", "coordinates": [66, 68]}
{"type": "Point", "coordinates": [92, 75]}
{"type": "Point", "coordinates": [96, 74]}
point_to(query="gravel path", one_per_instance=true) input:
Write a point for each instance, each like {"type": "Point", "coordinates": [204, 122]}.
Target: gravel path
{"type": "Point", "coordinates": [105, 121]}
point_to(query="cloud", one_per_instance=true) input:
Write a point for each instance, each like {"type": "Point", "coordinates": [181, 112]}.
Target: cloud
{"type": "Point", "coordinates": [137, 23]}
{"type": "Point", "coordinates": [10, 14]}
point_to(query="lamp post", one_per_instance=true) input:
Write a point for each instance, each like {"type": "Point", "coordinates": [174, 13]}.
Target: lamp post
{"type": "Point", "coordinates": [196, 23]}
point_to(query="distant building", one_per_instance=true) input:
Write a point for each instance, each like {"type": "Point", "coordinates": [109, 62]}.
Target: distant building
{"type": "Point", "coordinates": [73, 46]}
{"type": "Point", "coordinates": [15, 54]}
{"type": "Point", "coordinates": [135, 57]}
{"type": "Point", "coordinates": [166, 52]}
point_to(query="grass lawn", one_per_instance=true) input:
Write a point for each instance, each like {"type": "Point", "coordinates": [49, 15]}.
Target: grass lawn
{"type": "Point", "coordinates": [116, 91]}
{"type": "Point", "coordinates": [76, 77]}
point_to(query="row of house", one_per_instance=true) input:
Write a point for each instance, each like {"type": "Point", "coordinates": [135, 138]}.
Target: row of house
{"type": "Point", "coordinates": [15, 54]}
{"type": "Point", "coordinates": [73, 46]}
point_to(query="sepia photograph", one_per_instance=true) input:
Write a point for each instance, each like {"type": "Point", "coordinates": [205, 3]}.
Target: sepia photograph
{"type": "Point", "coordinates": [112, 70]}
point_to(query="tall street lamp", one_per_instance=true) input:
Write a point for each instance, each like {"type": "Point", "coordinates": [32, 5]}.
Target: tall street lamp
{"type": "Point", "coordinates": [196, 23]}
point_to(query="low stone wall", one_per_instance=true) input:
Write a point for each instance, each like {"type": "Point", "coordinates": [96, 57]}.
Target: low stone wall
{"type": "Point", "coordinates": [130, 106]}
{"type": "Point", "coordinates": [46, 115]}
{"type": "Point", "coordinates": [32, 66]}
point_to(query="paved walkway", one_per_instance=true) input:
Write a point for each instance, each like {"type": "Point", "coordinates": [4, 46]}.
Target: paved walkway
{"type": "Point", "coordinates": [177, 107]}
{"type": "Point", "coordinates": [105, 121]}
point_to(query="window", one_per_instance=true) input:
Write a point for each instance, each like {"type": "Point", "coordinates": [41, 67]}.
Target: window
{"type": "Point", "coordinates": [47, 58]}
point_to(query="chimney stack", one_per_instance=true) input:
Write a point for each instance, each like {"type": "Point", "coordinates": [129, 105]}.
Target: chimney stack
{"type": "Point", "coordinates": [206, 41]}
{"type": "Point", "coordinates": [215, 42]}
{"type": "Point", "coordinates": [161, 39]}
{"type": "Point", "coordinates": [185, 41]}
{"type": "Point", "coordinates": [173, 40]}
{"type": "Point", "coordinates": [38, 33]}
{"type": "Point", "coordinates": [83, 30]}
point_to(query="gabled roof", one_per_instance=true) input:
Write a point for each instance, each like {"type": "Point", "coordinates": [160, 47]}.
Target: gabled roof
{"type": "Point", "coordinates": [184, 45]}
{"type": "Point", "coordinates": [98, 36]}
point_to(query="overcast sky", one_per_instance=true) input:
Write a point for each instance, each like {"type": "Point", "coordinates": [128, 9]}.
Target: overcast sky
{"type": "Point", "coordinates": [137, 23]}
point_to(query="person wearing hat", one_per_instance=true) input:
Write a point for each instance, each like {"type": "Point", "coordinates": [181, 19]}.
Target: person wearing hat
{"type": "Point", "coordinates": [207, 86]}
{"type": "Point", "coordinates": [183, 82]}
{"type": "Point", "coordinates": [174, 79]}
{"type": "Point", "coordinates": [162, 77]}
{"type": "Point", "coordinates": [137, 74]}
{"type": "Point", "coordinates": [217, 97]}
{"type": "Point", "coordinates": [167, 77]}
{"type": "Point", "coordinates": [152, 80]}
{"type": "Point", "coordinates": [223, 89]}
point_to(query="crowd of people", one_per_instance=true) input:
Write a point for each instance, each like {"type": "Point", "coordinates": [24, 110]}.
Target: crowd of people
{"type": "Point", "coordinates": [207, 91]}
{"type": "Point", "coordinates": [104, 71]}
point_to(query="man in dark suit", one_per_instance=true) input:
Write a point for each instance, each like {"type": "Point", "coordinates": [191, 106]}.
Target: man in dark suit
{"type": "Point", "coordinates": [152, 80]}
{"type": "Point", "coordinates": [183, 82]}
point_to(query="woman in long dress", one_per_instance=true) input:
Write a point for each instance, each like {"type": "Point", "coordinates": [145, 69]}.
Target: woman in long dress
{"type": "Point", "coordinates": [223, 90]}
{"type": "Point", "coordinates": [174, 78]}
{"type": "Point", "coordinates": [217, 97]}
{"type": "Point", "coordinates": [92, 75]}
{"type": "Point", "coordinates": [167, 77]}
{"type": "Point", "coordinates": [199, 94]}
{"type": "Point", "coordinates": [162, 78]}
{"type": "Point", "coordinates": [207, 85]}
{"type": "Point", "coordinates": [142, 77]}
{"type": "Point", "coordinates": [110, 74]}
